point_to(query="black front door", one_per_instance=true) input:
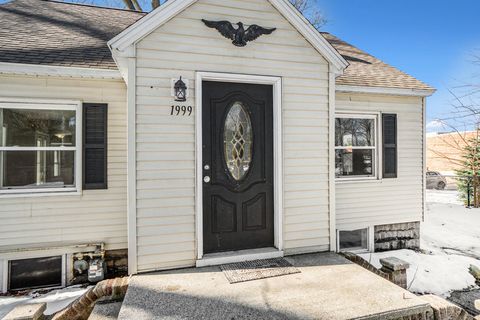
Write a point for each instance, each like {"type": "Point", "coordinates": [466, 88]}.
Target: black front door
{"type": "Point", "coordinates": [237, 166]}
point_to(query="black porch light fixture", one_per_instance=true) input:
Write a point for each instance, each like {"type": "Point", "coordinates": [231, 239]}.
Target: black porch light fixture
{"type": "Point", "coordinates": [180, 89]}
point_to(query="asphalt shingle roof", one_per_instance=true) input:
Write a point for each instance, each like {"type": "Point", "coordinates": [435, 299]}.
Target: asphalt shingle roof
{"type": "Point", "coordinates": [60, 34]}
{"type": "Point", "coordinates": [53, 33]}
{"type": "Point", "coordinates": [366, 70]}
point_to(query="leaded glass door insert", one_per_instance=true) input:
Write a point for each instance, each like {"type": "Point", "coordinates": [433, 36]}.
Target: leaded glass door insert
{"type": "Point", "coordinates": [238, 141]}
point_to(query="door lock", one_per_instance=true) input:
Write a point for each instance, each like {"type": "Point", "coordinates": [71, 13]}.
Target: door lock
{"type": "Point", "coordinates": [206, 167]}
{"type": "Point", "coordinates": [206, 179]}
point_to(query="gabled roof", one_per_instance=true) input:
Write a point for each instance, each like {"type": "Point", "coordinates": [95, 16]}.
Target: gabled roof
{"type": "Point", "coordinates": [60, 34]}
{"type": "Point", "coordinates": [50, 33]}
{"type": "Point", "coordinates": [170, 9]}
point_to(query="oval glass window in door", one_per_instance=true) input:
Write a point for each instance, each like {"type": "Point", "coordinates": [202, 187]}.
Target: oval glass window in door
{"type": "Point", "coordinates": [238, 141]}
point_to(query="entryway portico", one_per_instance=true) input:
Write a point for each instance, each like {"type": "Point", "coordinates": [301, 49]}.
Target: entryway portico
{"type": "Point", "coordinates": [208, 190]}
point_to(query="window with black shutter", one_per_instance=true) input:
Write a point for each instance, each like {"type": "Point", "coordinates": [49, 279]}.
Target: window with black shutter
{"type": "Point", "coordinates": [94, 146]}
{"type": "Point", "coordinates": [389, 145]}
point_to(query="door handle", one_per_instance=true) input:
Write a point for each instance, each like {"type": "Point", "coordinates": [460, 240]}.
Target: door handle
{"type": "Point", "coordinates": [206, 179]}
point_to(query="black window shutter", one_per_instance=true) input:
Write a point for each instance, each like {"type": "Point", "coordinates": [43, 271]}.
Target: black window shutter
{"type": "Point", "coordinates": [389, 145]}
{"type": "Point", "coordinates": [94, 146]}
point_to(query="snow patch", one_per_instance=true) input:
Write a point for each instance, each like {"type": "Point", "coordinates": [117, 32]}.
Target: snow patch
{"type": "Point", "coordinates": [430, 273]}
{"type": "Point", "coordinates": [450, 243]}
{"type": "Point", "coordinates": [443, 196]}
{"type": "Point", "coordinates": [56, 300]}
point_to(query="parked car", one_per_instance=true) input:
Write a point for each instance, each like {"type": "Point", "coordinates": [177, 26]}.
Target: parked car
{"type": "Point", "coordinates": [435, 180]}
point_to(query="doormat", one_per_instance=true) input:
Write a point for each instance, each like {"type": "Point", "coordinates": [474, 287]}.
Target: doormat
{"type": "Point", "coordinates": [257, 269]}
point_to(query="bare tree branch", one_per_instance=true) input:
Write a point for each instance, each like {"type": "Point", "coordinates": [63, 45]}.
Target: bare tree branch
{"type": "Point", "coordinates": [155, 4]}
{"type": "Point", "coordinates": [310, 10]}
{"type": "Point", "coordinates": [464, 138]}
{"type": "Point", "coordinates": [129, 4]}
{"type": "Point", "coordinates": [136, 5]}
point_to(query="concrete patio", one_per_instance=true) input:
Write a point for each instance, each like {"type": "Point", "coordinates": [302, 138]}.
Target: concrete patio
{"type": "Point", "coordinates": [328, 287]}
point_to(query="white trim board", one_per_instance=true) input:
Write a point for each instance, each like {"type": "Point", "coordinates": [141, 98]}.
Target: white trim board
{"type": "Point", "coordinates": [276, 82]}
{"type": "Point", "coordinates": [119, 45]}
{"type": "Point", "coordinates": [131, 168]}
{"type": "Point", "coordinates": [384, 90]}
{"type": "Point", "coordinates": [57, 71]}
{"type": "Point", "coordinates": [331, 162]}
{"type": "Point", "coordinates": [424, 157]}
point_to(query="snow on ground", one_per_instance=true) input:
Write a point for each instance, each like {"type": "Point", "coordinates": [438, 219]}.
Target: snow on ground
{"type": "Point", "coordinates": [56, 300]}
{"type": "Point", "coordinates": [449, 227]}
{"type": "Point", "coordinates": [437, 274]}
{"type": "Point", "coordinates": [443, 196]}
{"type": "Point", "coordinates": [450, 242]}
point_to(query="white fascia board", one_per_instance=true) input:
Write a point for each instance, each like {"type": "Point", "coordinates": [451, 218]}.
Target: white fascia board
{"type": "Point", "coordinates": [57, 71]}
{"type": "Point", "coordinates": [384, 90]}
{"type": "Point", "coordinates": [170, 9]}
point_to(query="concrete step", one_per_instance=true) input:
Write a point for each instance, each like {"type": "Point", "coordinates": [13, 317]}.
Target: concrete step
{"type": "Point", "coordinates": [32, 311]}
{"type": "Point", "coordinates": [445, 310]}
{"type": "Point", "coordinates": [328, 287]}
{"type": "Point", "coordinates": [106, 311]}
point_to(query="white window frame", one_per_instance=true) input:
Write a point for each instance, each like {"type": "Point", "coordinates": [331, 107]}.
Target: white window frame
{"type": "Point", "coordinates": [44, 104]}
{"type": "Point", "coordinates": [377, 147]}
{"type": "Point", "coordinates": [370, 241]}
{"type": "Point", "coordinates": [5, 276]}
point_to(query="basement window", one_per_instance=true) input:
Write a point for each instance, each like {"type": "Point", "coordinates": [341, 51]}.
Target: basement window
{"type": "Point", "coordinates": [34, 273]}
{"type": "Point", "coordinates": [354, 240]}
{"type": "Point", "coordinates": [40, 147]}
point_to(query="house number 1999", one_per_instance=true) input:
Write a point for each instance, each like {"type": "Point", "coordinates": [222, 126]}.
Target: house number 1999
{"type": "Point", "coordinates": [181, 111]}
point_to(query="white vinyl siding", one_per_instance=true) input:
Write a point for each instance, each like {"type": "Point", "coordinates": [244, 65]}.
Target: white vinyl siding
{"type": "Point", "coordinates": [94, 216]}
{"type": "Point", "coordinates": [166, 144]}
{"type": "Point", "coordinates": [361, 204]}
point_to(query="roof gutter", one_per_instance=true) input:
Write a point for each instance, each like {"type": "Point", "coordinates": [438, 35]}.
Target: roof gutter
{"type": "Point", "coordinates": [385, 90]}
{"type": "Point", "coordinates": [57, 71]}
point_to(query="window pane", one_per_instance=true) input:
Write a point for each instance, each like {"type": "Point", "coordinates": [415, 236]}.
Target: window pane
{"type": "Point", "coordinates": [356, 239]}
{"type": "Point", "coordinates": [35, 273]}
{"type": "Point", "coordinates": [37, 169]}
{"type": "Point", "coordinates": [354, 162]}
{"type": "Point", "coordinates": [37, 128]}
{"type": "Point", "coordinates": [238, 141]}
{"type": "Point", "coordinates": [354, 132]}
